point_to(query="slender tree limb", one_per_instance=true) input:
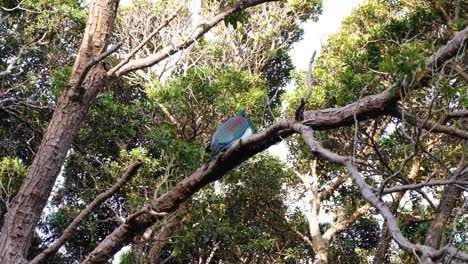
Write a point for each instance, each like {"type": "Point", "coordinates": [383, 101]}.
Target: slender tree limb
{"type": "Point", "coordinates": [329, 191]}
{"type": "Point", "coordinates": [437, 6]}
{"type": "Point", "coordinates": [200, 30]}
{"type": "Point", "coordinates": [311, 184]}
{"type": "Point", "coordinates": [457, 114]}
{"type": "Point", "coordinates": [422, 184]}
{"type": "Point", "coordinates": [164, 24]}
{"type": "Point", "coordinates": [365, 108]}
{"type": "Point", "coordinates": [427, 253]}
{"type": "Point", "coordinates": [428, 124]}
{"type": "Point", "coordinates": [6, 102]}
{"type": "Point", "coordinates": [69, 231]}
{"type": "Point", "coordinates": [91, 63]}
{"type": "Point", "coordinates": [462, 72]}
{"type": "Point", "coordinates": [13, 63]}
{"type": "Point", "coordinates": [299, 115]}
{"type": "Point", "coordinates": [301, 236]}
{"type": "Point", "coordinates": [345, 223]}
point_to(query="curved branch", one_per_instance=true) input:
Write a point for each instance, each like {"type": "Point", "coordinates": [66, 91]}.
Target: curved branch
{"type": "Point", "coordinates": [69, 231]}
{"type": "Point", "coordinates": [164, 24]}
{"type": "Point", "coordinates": [427, 253]}
{"type": "Point", "coordinates": [428, 124]}
{"type": "Point", "coordinates": [366, 108]}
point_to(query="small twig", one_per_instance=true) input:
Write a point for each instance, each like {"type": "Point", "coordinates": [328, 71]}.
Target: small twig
{"type": "Point", "coordinates": [422, 184]}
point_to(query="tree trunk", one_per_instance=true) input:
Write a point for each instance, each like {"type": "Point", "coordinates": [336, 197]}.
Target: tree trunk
{"type": "Point", "coordinates": [72, 107]}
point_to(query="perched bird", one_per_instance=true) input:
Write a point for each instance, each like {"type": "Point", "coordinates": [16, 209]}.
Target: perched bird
{"type": "Point", "coordinates": [235, 128]}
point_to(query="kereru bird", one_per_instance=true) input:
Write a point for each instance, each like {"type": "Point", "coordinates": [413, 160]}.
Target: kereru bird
{"type": "Point", "coordinates": [235, 128]}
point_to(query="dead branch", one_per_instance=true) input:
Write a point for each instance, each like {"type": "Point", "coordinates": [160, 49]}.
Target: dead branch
{"type": "Point", "coordinates": [299, 115]}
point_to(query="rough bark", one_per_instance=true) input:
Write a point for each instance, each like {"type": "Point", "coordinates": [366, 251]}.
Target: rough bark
{"type": "Point", "coordinates": [73, 104]}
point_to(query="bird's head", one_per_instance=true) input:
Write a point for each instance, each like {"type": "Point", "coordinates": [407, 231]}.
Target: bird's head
{"type": "Point", "coordinates": [243, 113]}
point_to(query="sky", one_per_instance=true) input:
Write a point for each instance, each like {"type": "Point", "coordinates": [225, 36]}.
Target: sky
{"type": "Point", "coordinates": [315, 34]}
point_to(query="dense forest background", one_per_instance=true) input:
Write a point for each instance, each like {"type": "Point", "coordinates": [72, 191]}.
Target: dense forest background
{"type": "Point", "coordinates": [106, 111]}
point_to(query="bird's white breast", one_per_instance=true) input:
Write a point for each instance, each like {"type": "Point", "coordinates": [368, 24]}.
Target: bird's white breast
{"type": "Point", "coordinates": [247, 133]}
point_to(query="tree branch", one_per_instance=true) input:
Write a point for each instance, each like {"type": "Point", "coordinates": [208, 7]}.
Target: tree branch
{"type": "Point", "coordinates": [448, 51]}
{"type": "Point", "coordinates": [422, 184]}
{"type": "Point", "coordinates": [5, 102]}
{"type": "Point", "coordinates": [366, 108]}
{"type": "Point", "coordinates": [437, 6]}
{"type": "Point", "coordinates": [135, 50]}
{"type": "Point", "coordinates": [13, 63]}
{"type": "Point", "coordinates": [427, 253]}
{"type": "Point", "coordinates": [299, 115]}
{"type": "Point", "coordinates": [428, 124]}
{"type": "Point", "coordinates": [200, 30]}
{"type": "Point", "coordinates": [93, 62]}
{"type": "Point", "coordinates": [346, 222]}
{"type": "Point", "coordinates": [69, 231]}
{"type": "Point", "coordinates": [329, 191]}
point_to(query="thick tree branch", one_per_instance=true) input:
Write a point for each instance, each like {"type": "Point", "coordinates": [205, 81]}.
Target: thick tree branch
{"type": "Point", "coordinates": [200, 30]}
{"type": "Point", "coordinates": [448, 51]}
{"type": "Point", "coordinates": [427, 253]}
{"type": "Point", "coordinates": [69, 231]}
{"type": "Point", "coordinates": [366, 108]}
